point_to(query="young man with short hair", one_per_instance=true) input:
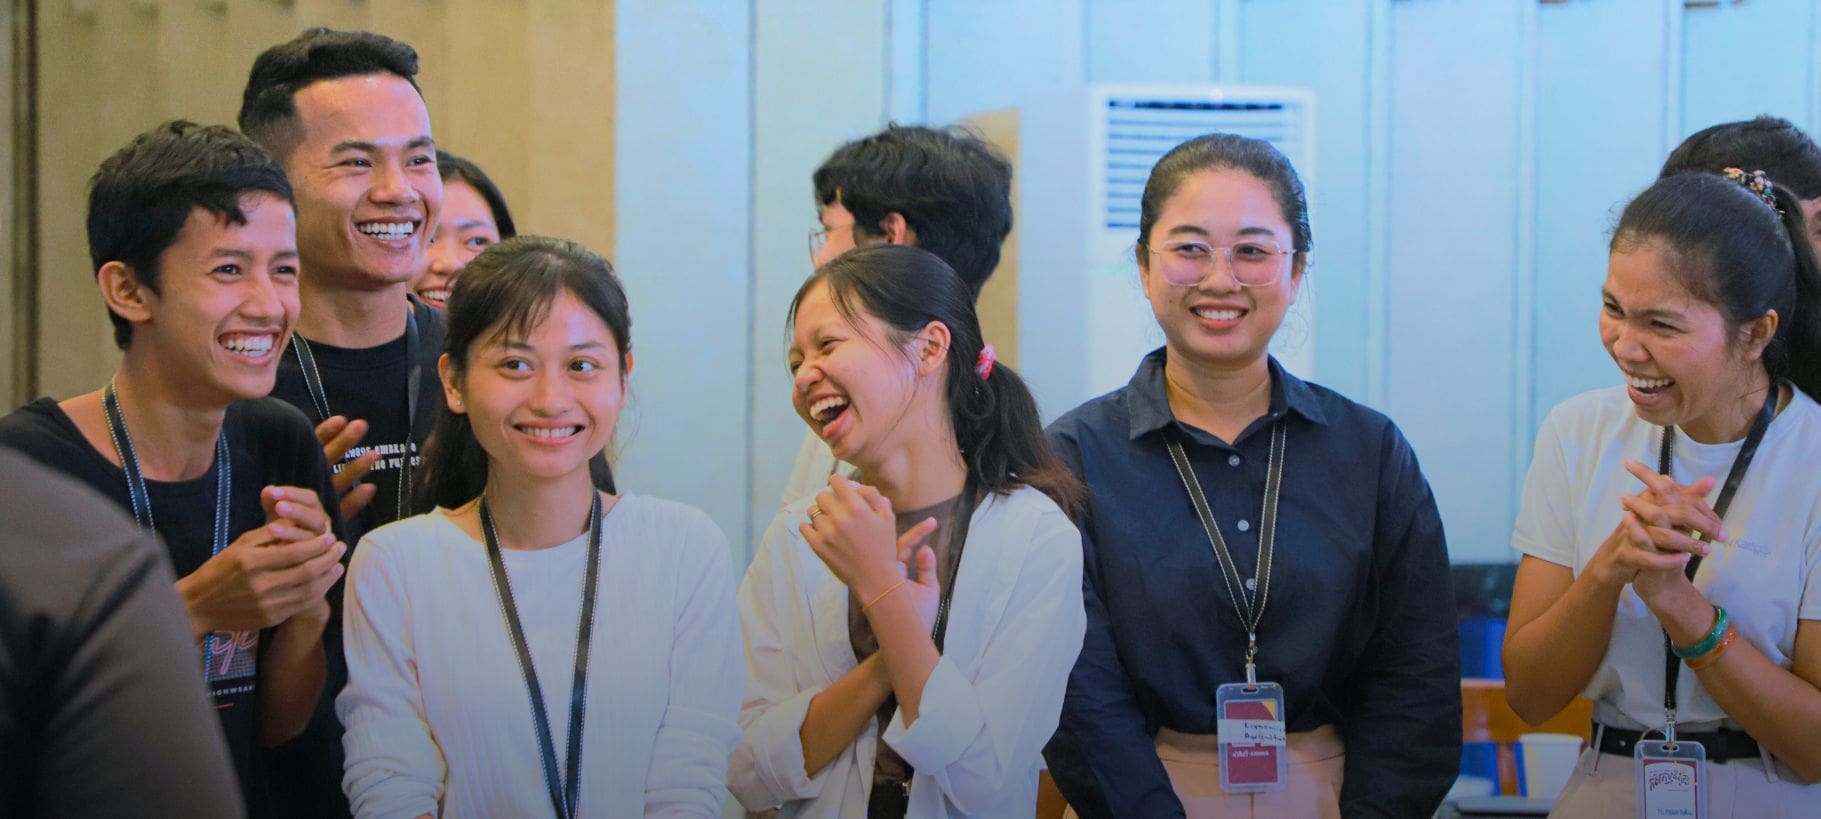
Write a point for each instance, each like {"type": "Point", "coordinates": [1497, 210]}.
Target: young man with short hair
{"type": "Point", "coordinates": [341, 112]}
{"type": "Point", "coordinates": [192, 233]}
{"type": "Point", "coordinates": [941, 189]}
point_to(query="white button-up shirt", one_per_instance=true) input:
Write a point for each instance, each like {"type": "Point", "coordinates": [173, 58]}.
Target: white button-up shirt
{"type": "Point", "coordinates": [989, 706]}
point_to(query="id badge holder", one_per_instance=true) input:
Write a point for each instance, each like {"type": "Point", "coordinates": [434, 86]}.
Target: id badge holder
{"type": "Point", "coordinates": [1252, 738]}
{"type": "Point", "coordinates": [1672, 779]}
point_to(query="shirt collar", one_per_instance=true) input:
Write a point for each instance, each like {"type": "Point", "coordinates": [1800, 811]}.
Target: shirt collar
{"type": "Point", "coordinates": [1148, 403]}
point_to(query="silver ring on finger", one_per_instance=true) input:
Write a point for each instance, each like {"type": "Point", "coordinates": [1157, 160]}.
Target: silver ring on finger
{"type": "Point", "coordinates": [814, 512]}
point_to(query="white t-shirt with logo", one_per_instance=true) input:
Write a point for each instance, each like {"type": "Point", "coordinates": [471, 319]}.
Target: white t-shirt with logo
{"type": "Point", "coordinates": [1768, 576]}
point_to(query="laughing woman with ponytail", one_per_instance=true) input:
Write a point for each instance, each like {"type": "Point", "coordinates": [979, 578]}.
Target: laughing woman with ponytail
{"type": "Point", "coordinates": [1671, 528]}
{"type": "Point", "coordinates": [535, 646]}
{"type": "Point", "coordinates": [910, 630]}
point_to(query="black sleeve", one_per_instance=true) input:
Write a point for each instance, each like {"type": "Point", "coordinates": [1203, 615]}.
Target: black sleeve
{"type": "Point", "coordinates": [120, 723]}
{"type": "Point", "coordinates": [307, 770]}
{"type": "Point", "coordinates": [1402, 718]}
{"type": "Point", "coordinates": [1102, 757]}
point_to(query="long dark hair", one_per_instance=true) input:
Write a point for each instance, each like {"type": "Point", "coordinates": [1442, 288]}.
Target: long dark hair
{"type": "Point", "coordinates": [1740, 254]}
{"type": "Point", "coordinates": [995, 419]}
{"type": "Point", "coordinates": [453, 168]}
{"type": "Point", "coordinates": [508, 289]}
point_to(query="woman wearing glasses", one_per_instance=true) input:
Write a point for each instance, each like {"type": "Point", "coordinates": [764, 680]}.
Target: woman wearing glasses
{"type": "Point", "coordinates": [1270, 631]}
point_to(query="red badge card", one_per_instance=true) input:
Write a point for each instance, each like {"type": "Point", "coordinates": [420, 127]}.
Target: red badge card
{"type": "Point", "coordinates": [1252, 738]}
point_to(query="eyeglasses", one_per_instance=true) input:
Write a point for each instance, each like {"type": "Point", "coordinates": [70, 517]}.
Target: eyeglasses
{"type": "Point", "coordinates": [819, 238]}
{"type": "Point", "coordinates": [1253, 264]}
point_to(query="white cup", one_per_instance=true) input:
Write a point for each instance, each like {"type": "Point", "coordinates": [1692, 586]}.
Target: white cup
{"type": "Point", "coordinates": [1545, 761]}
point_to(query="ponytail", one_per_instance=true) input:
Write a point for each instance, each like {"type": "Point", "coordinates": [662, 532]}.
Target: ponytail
{"type": "Point", "coordinates": [993, 414]}
{"type": "Point", "coordinates": [1795, 353]}
{"type": "Point", "coordinates": [1001, 436]}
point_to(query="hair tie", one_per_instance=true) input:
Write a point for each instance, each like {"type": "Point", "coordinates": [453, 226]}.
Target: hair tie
{"type": "Point", "coordinates": [1757, 183]}
{"type": "Point", "coordinates": [983, 366]}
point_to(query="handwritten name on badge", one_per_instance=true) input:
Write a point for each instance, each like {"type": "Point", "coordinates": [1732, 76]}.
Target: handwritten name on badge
{"type": "Point", "coordinates": [1251, 732]}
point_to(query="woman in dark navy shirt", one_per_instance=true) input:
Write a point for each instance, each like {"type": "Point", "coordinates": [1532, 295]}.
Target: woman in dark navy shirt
{"type": "Point", "coordinates": [1315, 545]}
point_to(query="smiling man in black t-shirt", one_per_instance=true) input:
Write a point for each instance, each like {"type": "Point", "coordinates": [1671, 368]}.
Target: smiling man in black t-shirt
{"type": "Point", "coordinates": [341, 111]}
{"type": "Point", "coordinates": [192, 232]}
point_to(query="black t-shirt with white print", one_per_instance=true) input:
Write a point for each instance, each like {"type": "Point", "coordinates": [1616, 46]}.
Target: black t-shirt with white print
{"type": "Point", "coordinates": [270, 444]}
{"type": "Point", "coordinates": [369, 384]}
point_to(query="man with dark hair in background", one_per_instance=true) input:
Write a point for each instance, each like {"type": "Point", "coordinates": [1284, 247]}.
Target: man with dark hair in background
{"type": "Point", "coordinates": [1770, 144]}
{"type": "Point", "coordinates": [944, 190]}
{"type": "Point", "coordinates": [342, 113]}
{"type": "Point", "coordinates": [193, 238]}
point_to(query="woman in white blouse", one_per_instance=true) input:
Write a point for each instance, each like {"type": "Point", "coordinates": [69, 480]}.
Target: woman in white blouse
{"type": "Point", "coordinates": [1670, 527]}
{"type": "Point", "coordinates": [535, 646]}
{"type": "Point", "coordinates": [909, 632]}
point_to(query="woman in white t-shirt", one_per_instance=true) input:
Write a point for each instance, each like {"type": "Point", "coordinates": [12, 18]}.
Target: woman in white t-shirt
{"type": "Point", "coordinates": [1712, 311]}
{"type": "Point", "coordinates": [535, 646]}
{"type": "Point", "coordinates": [909, 633]}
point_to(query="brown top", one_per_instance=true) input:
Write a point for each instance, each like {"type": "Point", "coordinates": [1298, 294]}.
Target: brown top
{"type": "Point", "coordinates": [888, 766]}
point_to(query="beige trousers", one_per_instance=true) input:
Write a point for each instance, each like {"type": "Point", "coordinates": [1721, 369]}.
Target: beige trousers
{"type": "Point", "coordinates": [1605, 785]}
{"type": "Point", "coordinates": [1312, 771]}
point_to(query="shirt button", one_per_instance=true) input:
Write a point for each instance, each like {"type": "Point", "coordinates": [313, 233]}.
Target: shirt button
{"type": "Point", "coordinates": [1244, 526]}
{"type": "Point", "coordinates": [1232, 460]}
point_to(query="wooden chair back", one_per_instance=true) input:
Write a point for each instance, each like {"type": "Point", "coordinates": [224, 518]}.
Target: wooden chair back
{"type": "Point", "coordinates": [1486, 717]}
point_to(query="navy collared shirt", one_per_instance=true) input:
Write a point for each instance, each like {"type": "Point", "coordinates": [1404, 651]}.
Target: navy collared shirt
{"type": "Point", "coordinates": [1359, 626]}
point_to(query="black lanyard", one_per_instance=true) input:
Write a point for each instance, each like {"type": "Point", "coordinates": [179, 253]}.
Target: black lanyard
{"type": "Point", "coordinates": [565, 798]}
{"type": "Point", "coordinates": [141, 500]}
{"type": "Point", "coordinates": [1672, 665]}
{"type": "Point", "coordinates": [136, 492]}
{"type": "Point", "coordinates": [957, 542]}
{"type": "Point", "coordinates": [306, 361]}
{"type": "Point", "coordinates": [1248, 607]}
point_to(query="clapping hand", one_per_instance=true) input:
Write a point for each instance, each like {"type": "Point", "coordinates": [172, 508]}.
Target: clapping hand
{"type": "Point", "coordinates": [853, 530]}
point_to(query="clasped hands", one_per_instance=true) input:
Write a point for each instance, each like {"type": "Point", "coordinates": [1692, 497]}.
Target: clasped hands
{"type": "Point", "coordinates": [1662, 528]}
{"type": "Point", "coordinates": [274, 574]}
{"type": "Point", "coordinates": [853, 529]}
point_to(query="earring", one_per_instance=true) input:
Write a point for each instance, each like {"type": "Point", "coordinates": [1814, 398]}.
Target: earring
{"type": "Point", "coordinates": [458, 402]}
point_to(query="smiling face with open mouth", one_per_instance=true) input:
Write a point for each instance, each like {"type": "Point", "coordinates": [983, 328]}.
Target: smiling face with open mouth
{"type": "Point", "coordinates": [542, 405]}
{"type": "Point", "coordinates": [364, 171]}
{"type": "Point", "coordinates": [1681, 363]}
{"type": "Point", "coordinates": [465, 229]}
{"type": "Point", "coordinates": [226, 301]}
{"type": "Point", "coordinates": [1217, 320]}
{"type": "Point", "coordinates": [850, 383]}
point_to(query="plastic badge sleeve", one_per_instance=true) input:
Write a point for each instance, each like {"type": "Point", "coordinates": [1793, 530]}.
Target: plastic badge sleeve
{"type": "Point", "coordinates": [1672, 779]}
{"type": "Point", "coordinates": [1252, 738]}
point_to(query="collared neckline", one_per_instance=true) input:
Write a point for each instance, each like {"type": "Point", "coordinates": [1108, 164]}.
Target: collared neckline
{"type": "Point", "coordinates": [1148, 404]}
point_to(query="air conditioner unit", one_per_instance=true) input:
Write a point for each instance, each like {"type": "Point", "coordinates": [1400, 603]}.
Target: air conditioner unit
{"type": "Point", "coordinates": [1082, 158]}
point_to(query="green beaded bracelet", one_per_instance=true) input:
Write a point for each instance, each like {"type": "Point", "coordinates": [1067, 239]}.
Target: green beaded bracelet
{"type": "Point", "coordinates": [1707, 644]}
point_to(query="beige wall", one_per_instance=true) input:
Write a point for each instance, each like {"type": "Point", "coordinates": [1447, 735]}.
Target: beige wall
{"type": "Point", "coordinates": [9, 346]}
{"type": "Point", "coordinates": [523, 88]}
{"type": "Point", "coordinates": [998, 303]}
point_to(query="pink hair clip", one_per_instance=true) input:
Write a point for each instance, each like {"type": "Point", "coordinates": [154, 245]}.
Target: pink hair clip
{"type": "Point", "coordinates": [983, 366]}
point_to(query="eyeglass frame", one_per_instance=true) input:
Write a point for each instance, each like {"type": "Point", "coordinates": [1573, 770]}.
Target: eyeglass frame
{"type": "Point", "coordinates": [1224, 252]}
{"type": "Point", "coordinates": [819, 238]}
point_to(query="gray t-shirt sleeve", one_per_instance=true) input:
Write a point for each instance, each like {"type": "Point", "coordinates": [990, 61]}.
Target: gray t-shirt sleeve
{"type": "Point", "coordinates": [103, 711]}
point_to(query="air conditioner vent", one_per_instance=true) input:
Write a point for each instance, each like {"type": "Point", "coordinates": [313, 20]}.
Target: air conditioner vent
{"type": "Point", "coordinates": [1139, 131]}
